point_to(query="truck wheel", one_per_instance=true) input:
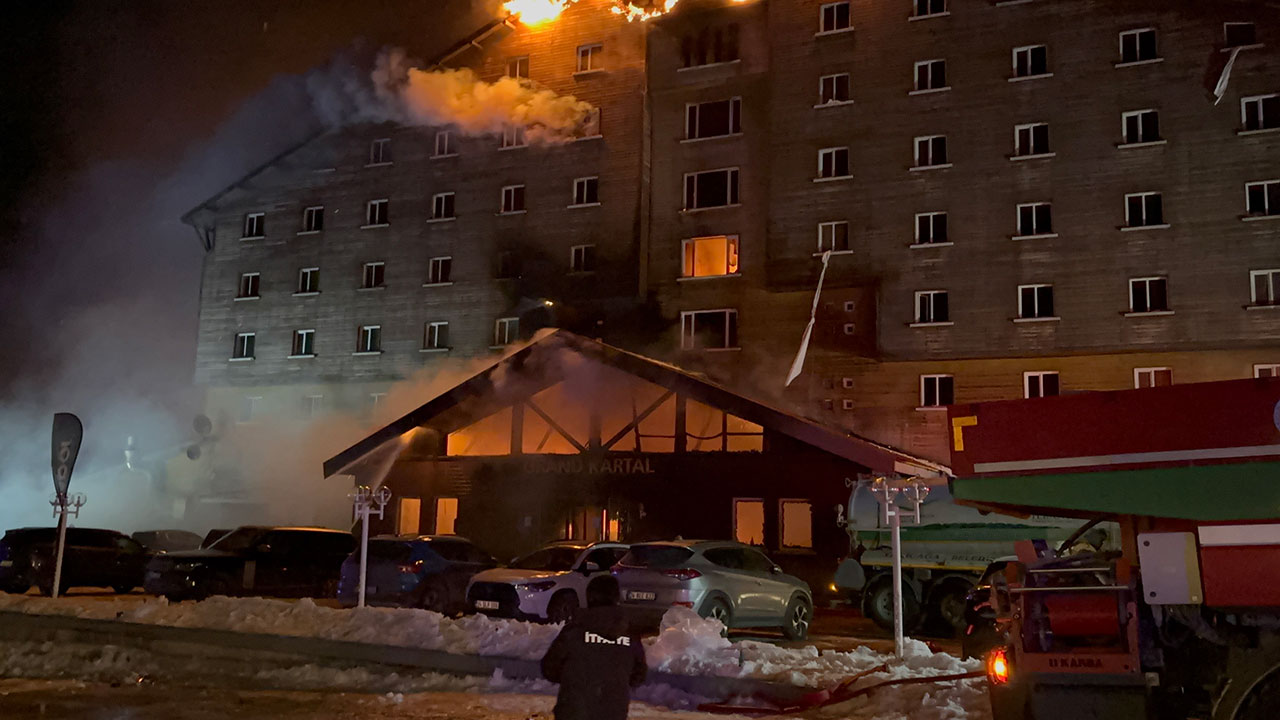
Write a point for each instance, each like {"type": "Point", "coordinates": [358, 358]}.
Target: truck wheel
{"type": "Point", "coordinates": [1253, 688]}
{"type": "Point", "coordinates": [948, 604]}
{"type": "Point", "coordinates": [877, 605]}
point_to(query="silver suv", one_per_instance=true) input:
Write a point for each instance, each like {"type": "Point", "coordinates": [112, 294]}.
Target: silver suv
{"type": "Point", "coordinates": [729, 581]}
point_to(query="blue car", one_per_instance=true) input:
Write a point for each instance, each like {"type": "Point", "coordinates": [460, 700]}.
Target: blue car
{"type": "Point", "coordinates": [422, 571]}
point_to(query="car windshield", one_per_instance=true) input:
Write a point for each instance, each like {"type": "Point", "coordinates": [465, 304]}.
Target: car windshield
{"type": "Point", "coordinates": [552, 558]}
{"type": "Point", "coordinates": [237, 540]}
{"type": "Point", "coordinates": [656, 556]}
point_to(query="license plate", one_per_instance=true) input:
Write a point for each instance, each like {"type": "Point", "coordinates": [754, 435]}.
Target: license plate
{"type": "Point", "coordinates": [639, 595]}
{"type": "Point", "coordinates": [486, 604]}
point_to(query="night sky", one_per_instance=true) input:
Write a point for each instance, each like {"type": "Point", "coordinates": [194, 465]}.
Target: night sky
{"type": "Point", "coordinates": [119, 116]}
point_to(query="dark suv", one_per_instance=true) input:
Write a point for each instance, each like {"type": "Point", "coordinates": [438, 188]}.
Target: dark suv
{"type": "Point", "coordinates": [255, 560]}
{"type": "Point", "coordinates": [92, 558]}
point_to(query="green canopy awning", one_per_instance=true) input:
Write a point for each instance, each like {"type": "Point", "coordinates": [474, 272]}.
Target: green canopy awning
{"type": "Point", "coordinates": [1241, 491]}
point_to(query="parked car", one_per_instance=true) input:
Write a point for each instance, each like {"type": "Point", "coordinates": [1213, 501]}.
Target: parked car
{"type": "Point", "coordinates": [547, 584]}
{"type": "Point", "coordinates": [158, 541]}
{"type": "Point", "coordinates": [92, 558]}
{"type": "Point", "coordinates": [425, 571]}
{"type": "Point", "coordinates": [729, 581]}
{"type": "Point", "coordinates": [981, 632]}
{"type": "Point", "coordinates": [255, 560]}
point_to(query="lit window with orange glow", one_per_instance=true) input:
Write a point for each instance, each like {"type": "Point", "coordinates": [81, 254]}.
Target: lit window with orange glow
{"type": "Point", "coordinates": [796, 518]}
{"type": "Point", "coordinates": [446, 515]}
{"type": "Point", "coordinates": [748, 521]}
{"type": "Point", "coordinates": [712, 256]}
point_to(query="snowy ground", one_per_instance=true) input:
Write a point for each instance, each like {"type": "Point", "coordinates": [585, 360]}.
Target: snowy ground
{"type": "Point", "coordinates": [685, 645]}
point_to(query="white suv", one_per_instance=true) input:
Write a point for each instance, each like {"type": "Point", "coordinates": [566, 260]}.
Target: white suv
{"type": "Point", "coordinates": [547, 584]}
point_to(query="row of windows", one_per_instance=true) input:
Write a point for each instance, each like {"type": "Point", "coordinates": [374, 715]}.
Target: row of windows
{"type": "Point", "coordinates": [435, 338]}
{"type": "Point", "coordinates": [1146, 295]}
{"type": "Point", "coordinates": [585, 193]}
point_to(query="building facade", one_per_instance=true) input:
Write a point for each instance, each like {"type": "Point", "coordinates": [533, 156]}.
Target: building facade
{"type": "Point", "coordinates": [1018, 198]}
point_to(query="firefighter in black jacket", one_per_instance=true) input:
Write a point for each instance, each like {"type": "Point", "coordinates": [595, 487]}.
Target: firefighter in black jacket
{"type": "Point", "coordinates": [594, 659]}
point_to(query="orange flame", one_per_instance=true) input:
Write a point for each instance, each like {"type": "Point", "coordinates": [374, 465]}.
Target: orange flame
{"type": "Point", "coordinates": [631, 11]}
{"type": "Point", "coordinates": [536, 12]}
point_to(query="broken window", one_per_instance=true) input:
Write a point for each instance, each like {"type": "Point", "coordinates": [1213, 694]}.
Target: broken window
{"type": "Point", "coordinates": [710, 256]}
{"type": "Point", "coordinates": [710, 46]}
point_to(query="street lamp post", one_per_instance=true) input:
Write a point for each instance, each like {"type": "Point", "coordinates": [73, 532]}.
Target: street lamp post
{"type": "Point", "coordinates": [365, 498]}
{"type": "Point", "coordinates": [887, 490]}
{"type": "Point", "coordinates": [63, 505]}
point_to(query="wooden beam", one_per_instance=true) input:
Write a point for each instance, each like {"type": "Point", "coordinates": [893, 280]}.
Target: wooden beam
{"type": "Point", "coordinates": [556, 426]}
{"type": "Point", "coordinates": [682, 435]}
{"type": "Point", "coordinates": [517, 429]}
{"type": "Point", "coordinates": [635, 424]}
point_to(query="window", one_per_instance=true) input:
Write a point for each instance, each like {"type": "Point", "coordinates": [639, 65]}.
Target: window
{"type": "Point", "coordinates": [1140, 126]}
{"type": "Point", "coordinates": [304, 343]}
{"type": "Point", "coordinates": [506, 331]}
{"type": "Point", "coordinates": [1262, 198]}
{"type": "Point", "coordinates": [518, 67]}
{"type": "Point", "coordinates": [1265, 287]}
{"type": "Point", "coordinates": [710, 256]}
{"type": "Point", "coordinates": [439, 270]}
{"type": "Point", "coordinates": [254, 226]}
{"type": "Point", "coordinates": [1031, 139]}
{"type": "Point", "coordinates": [1039, 384]}
{"type": "Point", "coordinates": [250, 408]}
{"type": "Point", "coordinates": [932, 307]}
{"type": "Point", "coordinates": [709, 330]}
{"type": "Point", "coordinates": [513, 137]}
{"type": "Point", "coordinates": [833, 163]}
{"type": "Point", "coordinates": [435, 336]}
{"type": "Point", "coordinates": [373, 275]}
{"type": "Point", "coordinates": [1148, 295]}
{"type": "Point", "coordinates": [442, 206]}
{"type": "Point", "coordinates": [712, 188]}
{"type": "Point", "coordinates": [931, 228]}
{"type": "Point", "coordinates": [833, 236]}
{"type": "Point", "coordinates": [308, 281]}
{"type": "Point", "coordinates": [380, 151]}
{"type": "Point", "coordinates": [713, 119]}
{"type": "Point", "coordinates": [710, 46]}
{"type": "Point", "coordinates": [243, 347]}
{"type": "Point", "coordinates": [846, 383]}
{"type": "Point", "coordinates": [1030, 61]}
{"type": "Point", "coordinates": [375, 400]}
{"type": "Point", "coordinates": [446, 515]}
{"type": "Point", "coordinates": [1138, 45]}
{"type": "Point", "coordinates": [1239, 34]}
{"type": "Point", "coordinates": [834, 17]}
{"type": "Point", "coordinates": [369, 340]}
{"type": "Point", "coordinates": [513, 199]}
{"type": "Point", "coordinates": [927, 8]}
{"type": "Point", "coordinates": [507, 266]}
{"type": "Point", "coordinates": [931, 151]}
{"type": "Point", "coordinates": [408, 516]}
{"type": "Point", "coordinates": [248, 286]}
{"type": "Point", "coordinates": [1152, 377]}
{"type": "Point", "coordinates": [590, 57]}
{"type": "Point", "coordinates": [582, 258]}
{"type": "Point", "coordinates": [1143, 209]}
{"type": "Point", "coordinates": [931, 75]}
{"type": "Point", "coordinates": [833, 89]}
{"type": "Point", "coordinates": [1266, 371]}
{"type": "Point", "coordinates": [444, 144]}
{"type": "Point", "coordinates": [1035, 301]}
{"type": "Point", "coordinates": [748, 521]}
{"type": "Point", "coordinates": [312, 406]}
{"type": "Point", "coordinates": [1260, 112]}
{"type": "Point", "coordinates": [586, 191]}
{"type": "Point", "coordinates": [1035, 219]}
{"type": "Point", "coordinates": [313, 219]}
{"type": "Point", "coordinates": [796, 518]}
{"type": "Point", "coordinates": [937, 390]}
{"type": "Point", "coordinates": [375, 213]}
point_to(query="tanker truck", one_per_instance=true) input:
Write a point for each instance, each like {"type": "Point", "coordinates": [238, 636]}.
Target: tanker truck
{"type": "Point", "coordinates": [1183, 619]}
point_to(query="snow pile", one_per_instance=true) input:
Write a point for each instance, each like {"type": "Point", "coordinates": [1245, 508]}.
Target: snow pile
{"type": "Point", "coordinates": [688, 644]}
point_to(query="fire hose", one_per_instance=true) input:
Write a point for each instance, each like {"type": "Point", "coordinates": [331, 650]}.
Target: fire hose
{"type": "Point", "coordinates": [839, 694]}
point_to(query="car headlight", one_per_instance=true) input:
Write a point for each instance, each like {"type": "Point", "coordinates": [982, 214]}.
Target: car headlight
{"type": "Point", "coordinates": [537, 585]}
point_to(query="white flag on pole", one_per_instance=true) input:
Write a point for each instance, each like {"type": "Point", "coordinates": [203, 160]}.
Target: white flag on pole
{"type": "Point", "coordinates": [798, 364]}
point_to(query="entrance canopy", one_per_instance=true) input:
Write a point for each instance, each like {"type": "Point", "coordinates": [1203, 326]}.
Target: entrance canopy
{"type": "Point", "coordinates": [1203, 451]}
{"type": "Point", "coordinates": [564, 394]}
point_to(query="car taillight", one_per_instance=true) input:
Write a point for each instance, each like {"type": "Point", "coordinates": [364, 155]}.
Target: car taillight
{"type": "Point", "coordinates": [998, 669]}
{"type": "Point", "coordinates": [682, 574]}
{"type": "Point", "coordinates": [411, 569]}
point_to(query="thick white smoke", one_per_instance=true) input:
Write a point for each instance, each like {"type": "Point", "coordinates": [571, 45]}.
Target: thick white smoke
{"type": "Point", "coordinates": [399, 91]}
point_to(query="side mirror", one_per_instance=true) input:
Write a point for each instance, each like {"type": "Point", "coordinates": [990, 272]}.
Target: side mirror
{"type": "Point", "coordinates": [589, 567]}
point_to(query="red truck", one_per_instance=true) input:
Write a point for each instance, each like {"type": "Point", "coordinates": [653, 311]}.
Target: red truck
{"type": "Point", "coordinates": [1184, 620]}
